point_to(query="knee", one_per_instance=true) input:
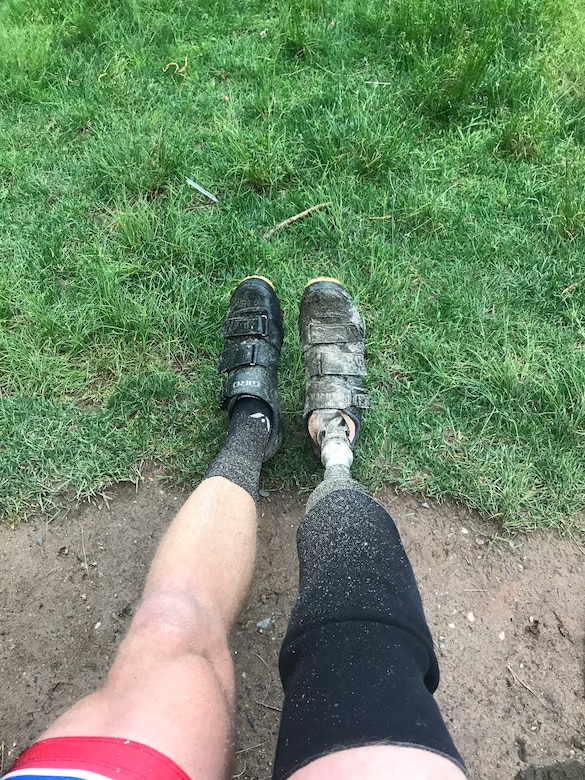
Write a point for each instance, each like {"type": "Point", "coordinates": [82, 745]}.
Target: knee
{"type": "Point", "coordinates": [176, 623]}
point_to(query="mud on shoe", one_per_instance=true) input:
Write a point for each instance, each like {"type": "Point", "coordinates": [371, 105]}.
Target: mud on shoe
{"type": "Point", "coordinates": [253, 333]}
{"type": "Point", "coordinates": [332, 336]}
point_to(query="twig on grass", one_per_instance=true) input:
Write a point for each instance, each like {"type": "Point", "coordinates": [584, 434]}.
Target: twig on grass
{"type": "Point", "coordinates": [570, 287]}
{"type": "Point", "coordinates": [182, 71]}
{"type": "Point", "coordinates": [200, 189]}
{"type": "Point", "coordinates": [296, 217]}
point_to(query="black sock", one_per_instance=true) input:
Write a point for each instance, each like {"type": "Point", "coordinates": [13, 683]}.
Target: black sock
{"type": "Point", "coordinates": [247, 406]}
{"type": "Point", "coordinates": [240, 459]}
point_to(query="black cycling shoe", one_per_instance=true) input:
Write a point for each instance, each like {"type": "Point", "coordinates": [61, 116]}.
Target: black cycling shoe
{"type": "Point", "coordinates": [332, 335]}
{"type": "Point", "coordinates": [252, 334]}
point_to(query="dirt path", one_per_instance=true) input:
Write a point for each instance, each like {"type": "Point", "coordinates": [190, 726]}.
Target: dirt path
{"type": "Point", "coordinates": [508, 621]}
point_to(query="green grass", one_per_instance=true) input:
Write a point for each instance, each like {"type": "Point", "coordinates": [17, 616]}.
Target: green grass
{"type": "Point", "coordinates": [461, 123]}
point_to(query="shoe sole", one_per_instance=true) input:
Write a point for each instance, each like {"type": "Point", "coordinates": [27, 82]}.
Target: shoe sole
{"type": "Point", "coordinates": [263, 278]}
{"type": "Point", "coordinates": [319, 279]}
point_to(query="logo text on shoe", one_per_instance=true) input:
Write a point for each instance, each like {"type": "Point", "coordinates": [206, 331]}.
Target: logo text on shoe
{"type": "Point", "coordinates": [246, 383]}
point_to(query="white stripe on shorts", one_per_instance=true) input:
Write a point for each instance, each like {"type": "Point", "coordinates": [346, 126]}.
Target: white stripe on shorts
{"type": "Point", "coordinates": [78, 774]}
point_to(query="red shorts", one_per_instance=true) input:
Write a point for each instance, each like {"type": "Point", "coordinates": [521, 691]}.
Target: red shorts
{"type": "Point", "coordinates": [94, 758]}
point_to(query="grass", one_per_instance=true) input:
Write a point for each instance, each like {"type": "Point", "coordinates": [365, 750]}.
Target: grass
{"type": "Point", "coordinates": [449, 138]}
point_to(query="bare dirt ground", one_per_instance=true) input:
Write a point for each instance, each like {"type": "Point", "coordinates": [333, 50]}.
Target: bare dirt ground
{"type": "Point", "coordinates": [507, 616]}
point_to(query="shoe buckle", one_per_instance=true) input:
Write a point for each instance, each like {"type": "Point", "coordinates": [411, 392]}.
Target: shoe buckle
{"type": "Point", "coordinates": [360, 399]}
{"type": "Point", "coordinates": [246, 326]}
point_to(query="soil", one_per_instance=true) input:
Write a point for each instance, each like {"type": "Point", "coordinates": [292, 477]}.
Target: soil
{"type": "Point", "coordinates": [507, 616]}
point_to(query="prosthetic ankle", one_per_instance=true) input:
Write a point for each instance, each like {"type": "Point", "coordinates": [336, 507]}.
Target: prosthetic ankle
{"type": "Point", "coordinates": [331, 430]}
{"type": "Point", "coordinates": [333, 440]}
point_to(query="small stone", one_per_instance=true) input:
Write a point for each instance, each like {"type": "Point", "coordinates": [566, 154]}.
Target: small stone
{"type": "Point", "coordinates": [451, 625]}
{"type": "Point", "coordinates": [264, 493]}
{"type": "Point", "coordinates": [471, 617]}
{"type": "Point", "coordinates": [425, 505]}
{"type": "Point", "coordinates": [479, 540]}
{"type": "Point", "coordinates": [97, 625]}
{"type": "Point", "coordinates": [464, 531]}
{"type": "Point", "coordinates": [264, 625]}
{"type": "Point", "coordinates": [502, 635]}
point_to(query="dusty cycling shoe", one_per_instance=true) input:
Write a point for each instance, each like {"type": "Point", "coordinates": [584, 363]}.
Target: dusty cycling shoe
{"type": "Point", "coordinates": [332, 335]}
{"type": "Point", "coordinates": [252, 334]}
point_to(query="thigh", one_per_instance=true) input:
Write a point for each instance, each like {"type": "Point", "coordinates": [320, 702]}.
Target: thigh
{"type": "Point", "coordinates": [381, 762]}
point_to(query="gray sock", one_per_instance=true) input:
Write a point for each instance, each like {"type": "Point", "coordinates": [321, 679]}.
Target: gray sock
{"type": "Point", "coordinates": [240, 459]}
{"type": "Point", "coordinates": [337, 477]}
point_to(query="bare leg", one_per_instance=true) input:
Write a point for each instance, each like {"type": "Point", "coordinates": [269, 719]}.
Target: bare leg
{"type": "Point", "coordinates": [172, 685]}
{"type": "Point", "coordinates": [379, 762]}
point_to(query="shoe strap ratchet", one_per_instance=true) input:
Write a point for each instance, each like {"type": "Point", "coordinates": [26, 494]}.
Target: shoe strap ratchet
{"type": "Point", "coordinates": [249, 324]}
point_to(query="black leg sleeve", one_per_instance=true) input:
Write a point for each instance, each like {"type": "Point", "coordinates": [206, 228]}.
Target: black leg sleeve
{"type": "Point", "coordinates": [357, 663]}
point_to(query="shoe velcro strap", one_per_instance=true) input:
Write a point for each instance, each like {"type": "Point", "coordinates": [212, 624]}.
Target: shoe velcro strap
{"type": "Point", "coordinates": [334, 393]}
{"type": "Point", "coordinates": [334, 361]}
{"type": "Point", "coordinates": [253, 325]}
{"type": "Point", "coordinates": [261, 354]}
{"type": "Point", "coordinates": [334, 333]}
